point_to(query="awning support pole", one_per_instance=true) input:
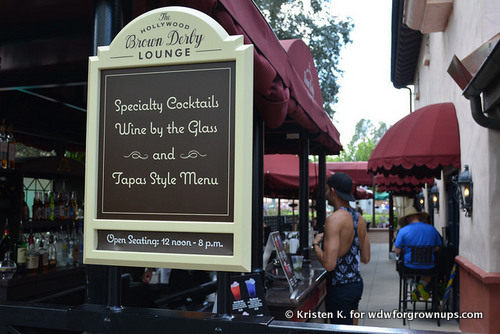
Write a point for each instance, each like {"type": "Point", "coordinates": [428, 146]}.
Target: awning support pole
{"type": "Point", "coordinates": [321, 198]}
{"type": "Point", "coordinates": [391, 220]}
{"type": "Point", "coordinates": [108, 21]}
{"type": "Point", "coordinates": [223, 301]}
{"type": "Point", "coordinates": [304, 195]}
{"type": "Point", "coordinates": [114, 288]}
{"type": "Point", "coordinates": [258, 196]}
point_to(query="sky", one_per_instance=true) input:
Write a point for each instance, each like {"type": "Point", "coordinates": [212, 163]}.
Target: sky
{"type": "Point", "coordinates": [366, 90]}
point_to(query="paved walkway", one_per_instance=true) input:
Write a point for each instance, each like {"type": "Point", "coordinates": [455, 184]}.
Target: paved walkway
{"type": "Point", "coordinates": [381, 289]}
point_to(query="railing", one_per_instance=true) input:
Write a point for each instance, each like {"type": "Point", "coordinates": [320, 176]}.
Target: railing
{"type": "Point", "coordinates": [102, 319]}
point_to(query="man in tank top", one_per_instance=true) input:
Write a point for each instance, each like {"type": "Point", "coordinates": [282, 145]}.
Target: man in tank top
{"type": "Point", "coordinates": [345, 244]}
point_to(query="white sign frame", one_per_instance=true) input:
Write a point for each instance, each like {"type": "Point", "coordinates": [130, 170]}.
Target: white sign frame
{"type": "Point", "coordinates": [214, 46]}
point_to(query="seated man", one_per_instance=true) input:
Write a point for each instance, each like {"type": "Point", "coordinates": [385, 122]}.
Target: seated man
{"type": "Point", "coordinates": [416, 232]}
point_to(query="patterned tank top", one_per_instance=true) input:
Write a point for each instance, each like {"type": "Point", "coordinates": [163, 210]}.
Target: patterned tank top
{"type": "Point", "coordinates": [347, 268]}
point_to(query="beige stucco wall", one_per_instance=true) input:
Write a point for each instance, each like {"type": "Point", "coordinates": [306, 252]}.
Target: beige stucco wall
{"type": "Point", "coordinates": [471, 24]}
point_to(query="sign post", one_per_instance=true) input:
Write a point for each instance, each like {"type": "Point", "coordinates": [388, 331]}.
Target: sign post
{"type": "Point", "coordinates": [169, 146]}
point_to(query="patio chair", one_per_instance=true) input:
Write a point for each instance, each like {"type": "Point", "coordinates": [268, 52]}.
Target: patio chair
{"type": "Point", "coordinates": [420, 255]}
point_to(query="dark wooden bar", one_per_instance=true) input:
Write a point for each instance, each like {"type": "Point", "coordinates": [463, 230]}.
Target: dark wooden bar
{"type": "Point", "coordinates": [65, 284]}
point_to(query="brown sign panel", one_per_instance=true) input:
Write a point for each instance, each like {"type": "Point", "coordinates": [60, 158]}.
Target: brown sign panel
{"type": "Point", "coordinates": [166, 242]}
{"type": "Point", "coordinates": [166, 143]}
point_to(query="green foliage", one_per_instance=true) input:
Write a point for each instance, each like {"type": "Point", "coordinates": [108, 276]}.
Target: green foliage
{"type": "Point", "coordinates": [365, 129]}
{"type": "Point", "coordinates": [365, 137]}
{"type": "Point", "coordinates": [364, 150]}
{"type": "Point", "coordinates": [323, 32]}
{"type": "Point", "coordinates": [23, 151]}
{"type": "Point", "coordinates": [78, 156]}
{"type": "Point", "coordinates": [380, 219]}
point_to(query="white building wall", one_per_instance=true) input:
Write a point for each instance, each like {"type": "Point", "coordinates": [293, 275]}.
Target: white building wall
{"type": "Point", "coordinates": [471, 23]}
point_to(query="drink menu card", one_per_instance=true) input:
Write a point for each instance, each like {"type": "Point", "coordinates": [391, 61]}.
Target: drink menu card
{"type": "Point", "coordinates": [247, 295]}
{"type": "Point", "coordinates": [281, 255]}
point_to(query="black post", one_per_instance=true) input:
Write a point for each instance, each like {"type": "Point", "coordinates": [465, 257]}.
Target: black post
{"type": "Point", "coordinates": [114, 288]}
{"type": "Point", "coordinates": [321, 193]}
{"type": "Point", "coordinates": [223, 301]}
{"type": "Point", "coordinates": [108, 20]}
{"type": "Point", "coordinates": [373, 205]}
{"type": "Point", "coordinates": [258, 196]}
{"type": "Point", "coordinates": [391, 220]}
{"type": "Point", "coordinates": [304, 195]}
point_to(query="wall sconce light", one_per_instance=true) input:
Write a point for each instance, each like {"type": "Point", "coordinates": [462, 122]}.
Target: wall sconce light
{"type": "Point", "coordinates": [463, 182]}
{"type": "Point", "coordinates": [435, 197]}
{"type": "Point", "coordinates": [421, 200]}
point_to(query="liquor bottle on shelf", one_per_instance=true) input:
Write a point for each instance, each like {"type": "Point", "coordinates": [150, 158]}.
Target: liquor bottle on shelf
{"type": "Point", "coordinates": [26, 209]}
{"type": "Point", "coordinates": [34, 208]}
{"type": "Point", "coordinates": [80, 210]}
{"type": "Point", "coordinates": [55, 201]}
{"type": "Point", "coordinates": [76, 246]}
{"type": "Point", "coordinates": [70, 253]}
{"type": "Point", "coordinates": [66, 205]}
{"type": "Point", "coordinates": [52, 251]}
{"type": "Point", "coordinates": [61, 247]}
{"type": "Point", "coordinates": [7, 267]}
{"type": "Point", "coordinates": [73, 206]}
{"type": "Point", "coordinates": [61, 203]}
{"type": "Point", "coordinates": [80, 242]}
{"type": "Point", "coordinates": [31, 254]}
{"type": "Point", "coordinates": [5, 241]}
{"type": "Point", "coordinates": [51, 206]}
{"type": "Point", "coordinates": [43, 251]}
{"type": "Point", "coordinates": [20, 249]}
{"type": "Point", "coordinates": [11, 147]}
{"type": "Point", "coordinates": [4, 148]}
{"type": "Point", "coordinates": [46, 207]}
{"type": "Point", "coordinates": [40, 210]}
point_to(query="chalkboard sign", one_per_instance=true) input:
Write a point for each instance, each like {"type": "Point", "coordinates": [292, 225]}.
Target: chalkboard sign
{"type": "Point", "coordinates": [167, 143]}
{"type": "Point", "coordinates": [169, 146]}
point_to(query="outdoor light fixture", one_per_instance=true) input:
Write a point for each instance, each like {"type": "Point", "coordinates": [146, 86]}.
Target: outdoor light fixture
{"type": "Point", "coordinates": [463, 182]}
{"type": "Point", "coordinates": [435, 197]}
{"type": "Point", "coordinates": [421, 200]}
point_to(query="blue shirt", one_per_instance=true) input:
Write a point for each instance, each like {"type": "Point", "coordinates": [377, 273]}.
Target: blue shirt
{"type": "Point", "coordinates": [417, 234]}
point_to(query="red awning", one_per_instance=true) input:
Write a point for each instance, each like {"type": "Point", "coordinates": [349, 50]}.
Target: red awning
{"type": "Point", "coordinates": [271, 80]}
{"type": "Point", "coordinates": [394, 180]}
{"type": "Point", "coordinates": [396, 184]}
{"type": "Point", "coordinates": [281, 91]}
{"type": "Point", "coordinates": [306, 104]}
{"type": "Point", "coordinates": [281, 177]}
{"type": "Point", "coordinates": [420, 144]}
{"type": "Point", "coordinates": [357, 170]}
{"type": "Point", "coordinates": [360, 193]}
{"type": "Point", "coordinates": [400, 190]}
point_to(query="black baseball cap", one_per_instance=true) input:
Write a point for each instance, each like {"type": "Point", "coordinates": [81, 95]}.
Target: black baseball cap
{"type": "Point", "coordinates": [342, 183]}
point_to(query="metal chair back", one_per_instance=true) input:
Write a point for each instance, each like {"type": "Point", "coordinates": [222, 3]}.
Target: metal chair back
{"type": "Point", "coordinates": [421, 255]}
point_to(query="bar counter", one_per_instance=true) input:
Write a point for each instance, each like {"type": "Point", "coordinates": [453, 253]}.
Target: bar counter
{"type": "Point", "coordinates": [307, 297]}
{"type": "Point", "coordinates": [55, 285]}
